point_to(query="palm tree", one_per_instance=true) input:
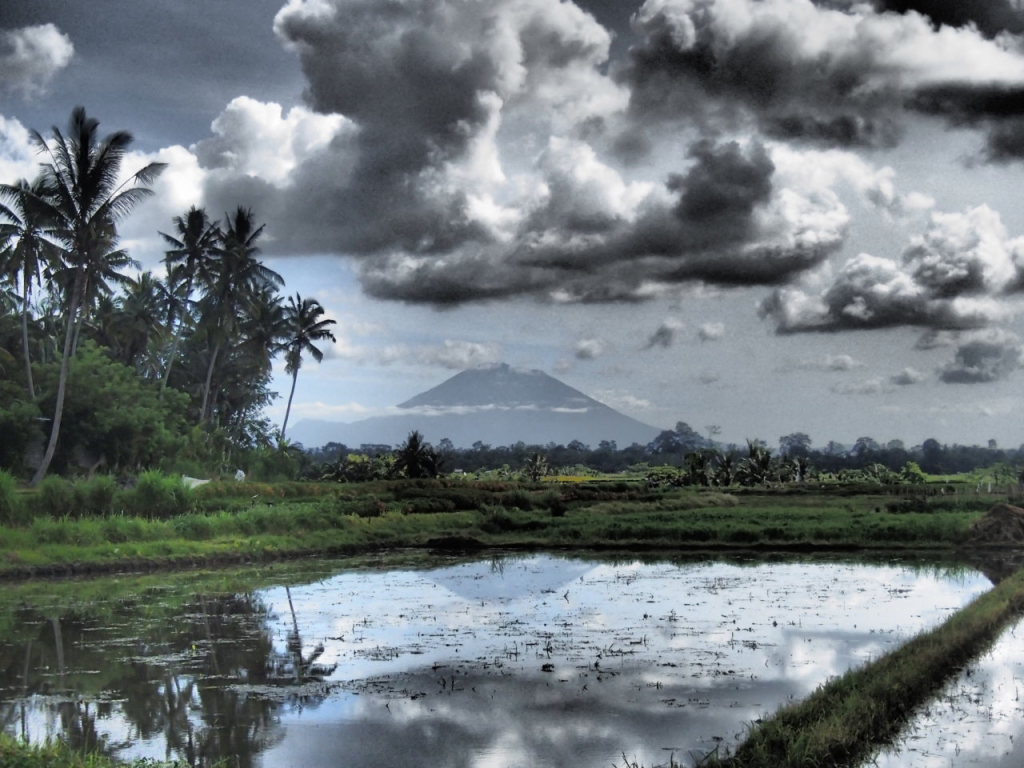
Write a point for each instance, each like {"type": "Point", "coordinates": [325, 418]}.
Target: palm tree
{"type": "Point", "coordinates": [29, 218]}
{"type": "Point", "coordinates": [139, 320]}
{"type": "Point", "coordinates": [304, 328]}
{"type": "Point", "coordinates": [234, 277]}
{"type": "Point", "coordinates": [105, 266]}
{"type": "Point", "coordinates": [416, 458]}
{"type": "Point", "coordinates": [190, 255]}
{"type": "Point", "coordinates": [81, 180]}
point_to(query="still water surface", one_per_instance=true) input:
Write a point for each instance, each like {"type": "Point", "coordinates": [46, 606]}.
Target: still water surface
{"type": "Point", "coordinates": [535, 660]}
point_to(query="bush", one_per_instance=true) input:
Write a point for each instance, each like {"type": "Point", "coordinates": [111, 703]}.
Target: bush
{"type": "Point", "coordinates": [193, 527]}
{"type": "Point", "coordinates": [95, 496]}
{"type": "Point", "coordinates": [157, 495]}
{"type": "Point", "coordinates": [424, 506]}
{"type": "Point", "coordinates": [56, 497]}
{"type": "Point", "coordinates": [554, 502]}
{"type": "Point", "coordinates": [517, 499]}
{"type": "Point", "coordinates": [12, 511]}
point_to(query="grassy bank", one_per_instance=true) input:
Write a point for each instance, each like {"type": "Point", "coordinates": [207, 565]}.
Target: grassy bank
{"type": "Point", "coordinates": [239, 522]}
{"type": "Point", "coordinates": [848, 719]}
{"type": "Point", "coordinates": [56, 754]}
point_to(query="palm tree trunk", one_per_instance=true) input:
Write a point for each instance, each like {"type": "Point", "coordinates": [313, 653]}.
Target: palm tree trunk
{"type": "Point", "coordinates": [62, 381]}
{"type": "Point", "coordinates": [209, 379]}
{"type": "Point", "coordinates": [288, 410]}
{"type": "Point", "coordinates": [26, 295]}
{"type": "Point", "coordinates": [170, 364]}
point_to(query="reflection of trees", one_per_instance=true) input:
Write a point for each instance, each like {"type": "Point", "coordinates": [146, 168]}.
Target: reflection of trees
{"type": "Point", "coordinates": [294, 665]}
{"type": "Point", "coordinates": [187, 673]}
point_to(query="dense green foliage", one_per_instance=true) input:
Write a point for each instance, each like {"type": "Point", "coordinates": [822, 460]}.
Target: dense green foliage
{"type": "Point", "coordinates": [98, 368]}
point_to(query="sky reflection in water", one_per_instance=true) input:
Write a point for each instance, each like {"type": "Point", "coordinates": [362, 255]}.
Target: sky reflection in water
{"type": "Point", "coordinates": [532, 661]}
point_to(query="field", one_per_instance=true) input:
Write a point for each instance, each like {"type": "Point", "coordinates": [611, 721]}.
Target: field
{"type": "Point", "coordinates": [109, 530]}
{"type": "Point", "coordinates": [232, 522]}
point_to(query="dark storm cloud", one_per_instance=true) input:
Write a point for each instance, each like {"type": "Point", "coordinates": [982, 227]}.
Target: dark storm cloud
{"type": "Point", "coordinates": [690, 63]}
{"type": "Point", "coordinates": [418, 102]}
{"type": "Point", "coordinates": [953, 277]}
{"type": "Point", "coordinates": [849, 130]}
{"type": "Point", "coordinates": [990, 16]}
{"type": "Point", "coordinates": [719, 222]}
{"type": "Point", "coordinates": [988, 357]}
{"type": "Point", "coordinates": [722, 188]}
{"type": "Point", "coordinates": [848, 83]}
{"type": "Point", "coordinates": [997, 109]}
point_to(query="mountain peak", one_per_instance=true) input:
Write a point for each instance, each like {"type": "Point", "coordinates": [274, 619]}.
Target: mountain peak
{"type": "Point", "coordinates": [502, 386]}
{"type": "Point", "coordinates": [495, 404]}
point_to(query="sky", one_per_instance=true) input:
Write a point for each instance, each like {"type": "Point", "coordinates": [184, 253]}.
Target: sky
{"type": "Point", "coordinates": [768, 216]}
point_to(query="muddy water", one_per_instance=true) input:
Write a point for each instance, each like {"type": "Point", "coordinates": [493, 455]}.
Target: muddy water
{"type": "Point", "coordinates": [500, 661]}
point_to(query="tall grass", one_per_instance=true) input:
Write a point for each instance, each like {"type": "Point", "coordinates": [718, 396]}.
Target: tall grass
{"type": "Point", "coordinates": [11, 511]}
{"type": "Point", "coordinates": [159, 496]}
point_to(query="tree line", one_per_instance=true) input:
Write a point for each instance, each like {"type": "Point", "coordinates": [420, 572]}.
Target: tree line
{"type": "Point", "coordinates": [101, 364]}
{"type": "Point", "coordinates": [680, 455]}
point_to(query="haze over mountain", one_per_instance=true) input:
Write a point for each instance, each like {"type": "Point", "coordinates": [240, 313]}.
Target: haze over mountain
{"type": "Point", "coordinates": [496, 404]}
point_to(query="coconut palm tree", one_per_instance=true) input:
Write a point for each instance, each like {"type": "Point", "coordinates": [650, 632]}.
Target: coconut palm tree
{"type": "Point", "coordinates": [304, 328]}
{"type": "Point", "coordinates": [191, 255]}
{"type": "Point", "coordinates": [140, 321]}
{"type": "Point", "coordinates": [25, 248]}
{"type": "Point", "coordinates": [416, 458]}
{"type": "Point", "coordinates": [81, 179]}
{"type": "Point", "coordinates": [235, 275]}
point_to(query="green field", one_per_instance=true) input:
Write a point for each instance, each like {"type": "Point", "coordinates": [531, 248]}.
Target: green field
{"type": "Point", "coordinates": [231, 522]}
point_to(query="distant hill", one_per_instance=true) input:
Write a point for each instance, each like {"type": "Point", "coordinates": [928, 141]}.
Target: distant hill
{"type": "Point", "coordinates": [498, 405]}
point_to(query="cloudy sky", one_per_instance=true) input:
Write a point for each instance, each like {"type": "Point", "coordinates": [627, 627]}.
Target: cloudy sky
{"type": "Point", "coordinates": [768, 215]}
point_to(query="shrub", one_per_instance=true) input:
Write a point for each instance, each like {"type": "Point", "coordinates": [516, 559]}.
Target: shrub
{"type": "Point", "coordinates": [424, 506]}
{"type": "Point", "coordinates": [517, 498]}
{"type": "Point", "coordinates": [119, 528]}
{"type": "Point", "coordinates": [193, 526]}
{"type": "Point", "coordinates": [12, 511]}
{"type": "Point", "coordinates": [95, 496]}
{"type": "Point", "coordinates": [555, 504]}
{"type": "Point", "coordinates": [56, 497]}
{"type": "Point", "coordinates": [157, 495]}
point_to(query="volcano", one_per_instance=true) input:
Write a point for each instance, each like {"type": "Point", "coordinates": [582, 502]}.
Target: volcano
{"type": "Point", "coordinates": [495, 405]}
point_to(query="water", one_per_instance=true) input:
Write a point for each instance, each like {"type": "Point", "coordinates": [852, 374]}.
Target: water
{"type": "Point", "coordinates": [978, 719]}
{"type": "Point", "coordinates": [500, 661]}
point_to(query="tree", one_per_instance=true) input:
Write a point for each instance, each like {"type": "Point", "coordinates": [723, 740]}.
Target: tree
{"type": "Point", "coordinates": [80, 180]}
{"type": "Point", "coordinates": [190, 255]}
{"type": "Point", "coordinates": [234, 278]}
{"type": "Point", "coordinates": [25, 247]}
{"type": "Point", "coordinates": [795, 444]}
{"type": "Point", "coordinates": [416, 458]}
{"type": "Point", "coordinates": [536, 467]}
{"type": "Point", "coordinates": [138, 321]}
{"type": "Point", "coordinates": [304, 326]}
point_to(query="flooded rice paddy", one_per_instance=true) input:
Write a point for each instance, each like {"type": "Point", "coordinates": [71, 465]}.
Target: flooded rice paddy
{"type": "Point", "coordinates": [977, 720]}
{"type": "Point", "coordinates": [535, 660]}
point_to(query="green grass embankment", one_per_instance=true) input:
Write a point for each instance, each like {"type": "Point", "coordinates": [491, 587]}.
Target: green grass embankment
{"type": "Point", "coordinates": [850, 718]}
{"type": "Point", "coordinates": [232, 524]}
{"type": "Point", "coordinates": [57, 754]}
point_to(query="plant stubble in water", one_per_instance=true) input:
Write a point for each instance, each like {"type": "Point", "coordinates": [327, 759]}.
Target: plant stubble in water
{"type": "Point", "coordinates": [538, 661]}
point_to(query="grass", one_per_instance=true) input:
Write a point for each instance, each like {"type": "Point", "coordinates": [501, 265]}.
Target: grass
{"type": "Point", "coordinates": [251, 521]}
{"type": "Point", "coordinates": [57, 754]}
{"type": "Point", "coordinates": [849, 718]}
